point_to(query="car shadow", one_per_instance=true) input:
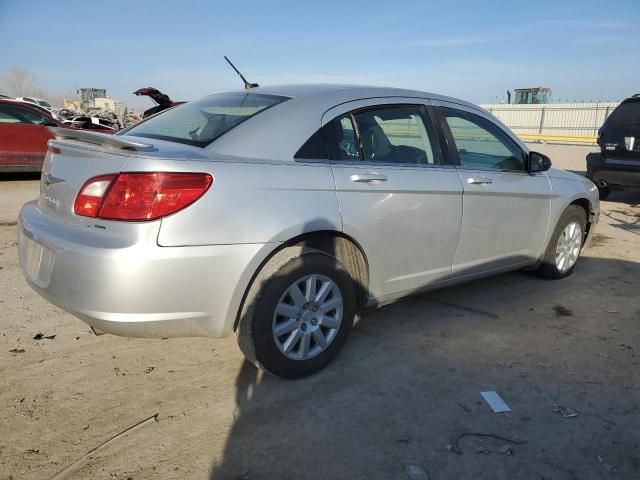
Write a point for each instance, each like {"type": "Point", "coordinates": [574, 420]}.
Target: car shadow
{"type": "Point", "coordinates": [20, 176]}
{"type": "Point", "coordinates": [407, 384]}
{"type": "Point", "coordinates": [629, 197]}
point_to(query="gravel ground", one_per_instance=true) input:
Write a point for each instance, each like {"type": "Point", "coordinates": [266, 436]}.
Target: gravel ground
{"type": "Point", "coordinates": [407, 384]}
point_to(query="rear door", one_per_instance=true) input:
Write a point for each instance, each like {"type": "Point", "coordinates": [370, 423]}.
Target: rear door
{"type": "Point", "coordinates": [506, 209]}
{"type": "Point", "coordinates": [23, 138]}
{"type": "Point", "coordinates": [397, 196]}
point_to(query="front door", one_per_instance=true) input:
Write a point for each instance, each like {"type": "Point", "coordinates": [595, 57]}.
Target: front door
{"type": "Point", "coordinates": [396, 196]}
{"type": "Point", "coordinates": [506, 209]}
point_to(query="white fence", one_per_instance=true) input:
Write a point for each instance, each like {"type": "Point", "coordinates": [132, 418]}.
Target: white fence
{"type": "Point", "coordinates": [576, 122]}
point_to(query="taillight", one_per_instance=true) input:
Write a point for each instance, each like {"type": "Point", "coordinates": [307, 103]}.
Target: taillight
{"type": "Point", "coordinates": [140, 196]}
{"type": "Point", "coordinates": [91, 194]}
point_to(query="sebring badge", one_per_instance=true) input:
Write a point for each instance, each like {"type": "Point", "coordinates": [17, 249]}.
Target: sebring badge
{"type": "Point", "coordinates": [52, 201]}
{"type": "Point", "coordinates": [47, 181]}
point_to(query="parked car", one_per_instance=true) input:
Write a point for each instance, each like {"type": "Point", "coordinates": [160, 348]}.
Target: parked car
{"type": "Point", "coordinates": [36, 101]}
{"type": "Point", "coordinates": [617, 166]}
{"type": "Point", "coordinates": [24, 135]}
{"type": "Point", "coordinates": [105, 121]}
{"type": "Point", "coordinates": [278, 213]}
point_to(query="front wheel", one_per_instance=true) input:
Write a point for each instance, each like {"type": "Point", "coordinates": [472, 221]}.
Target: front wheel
{"type": "Point", "coordinates": [298, 313]}
{"type": "Point", "coordinates": [565, 244]}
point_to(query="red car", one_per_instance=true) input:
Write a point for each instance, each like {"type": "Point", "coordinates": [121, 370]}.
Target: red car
{"type": "Point", "coordinates": [24, 136]}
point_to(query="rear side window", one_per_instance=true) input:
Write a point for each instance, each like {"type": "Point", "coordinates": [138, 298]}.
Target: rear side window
{"type": "Point", "coordinates": [199, 123]}
{"type": "Point", "coordinates": [627, 113]}
{"type": "Point", "coordinates": [342, 143]}
{"type": "Point", "coordinates": [335, 141]}
{"type": "Point", "coordinates": [314, 148]}
{"type": "Point", "coordinates": [396, 135]}
{"type": "Point", "coordinates": [400, 134]}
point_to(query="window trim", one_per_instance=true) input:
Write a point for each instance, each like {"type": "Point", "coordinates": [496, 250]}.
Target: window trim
{"type": "Point", "coordinates": [453, 151]}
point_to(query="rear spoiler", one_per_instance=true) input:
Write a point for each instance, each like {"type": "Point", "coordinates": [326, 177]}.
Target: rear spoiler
{"type": "Point", "coordinates": [102, 139]}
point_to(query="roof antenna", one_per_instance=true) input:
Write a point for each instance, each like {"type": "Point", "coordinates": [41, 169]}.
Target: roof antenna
{"type": "Point", "coordinates": [247, 85]}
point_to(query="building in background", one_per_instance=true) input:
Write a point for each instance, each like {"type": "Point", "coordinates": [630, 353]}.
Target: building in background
{"type": "Point", "coordinates": [94, 101]}
{"type": "Point", "coordinates": [532, 96]}
{"type": "Point", "coordinates": [565, 123]}
{"type": "Point", "coordinates": [109, 105]}
{"type": "Point", "coordinates": [74, 105]}
{"type": "Point", "coordinates": [88, 95]}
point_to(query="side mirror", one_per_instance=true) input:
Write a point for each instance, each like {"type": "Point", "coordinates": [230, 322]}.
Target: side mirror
{"type": "Point", "coordinates": [538, 162]}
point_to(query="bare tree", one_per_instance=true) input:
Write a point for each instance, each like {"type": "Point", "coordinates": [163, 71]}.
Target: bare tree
{"type": "Point", "coordinates": [19, 82]}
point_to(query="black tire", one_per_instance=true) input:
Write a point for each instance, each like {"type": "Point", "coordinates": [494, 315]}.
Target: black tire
{"type": "Point", "coordinates": [547, 268]}
{"type": "Point", "coordinates": [604, 192]}
{"type": "Point", "coordinates": [254, 333]}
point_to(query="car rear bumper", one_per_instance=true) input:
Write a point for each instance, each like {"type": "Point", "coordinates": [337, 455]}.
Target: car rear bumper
{"type": "Point", "coordinates": [615, 172]}
{"type": "Point", "coordinates": [133, 287]}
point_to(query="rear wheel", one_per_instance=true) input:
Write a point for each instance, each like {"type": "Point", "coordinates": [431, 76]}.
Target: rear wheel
{"type": "Point", "coordinates": [565, 244]}
{"type": "Point", "coordinates": [604, 192]}
{"type": "Point", "coordinates": [298, 313]}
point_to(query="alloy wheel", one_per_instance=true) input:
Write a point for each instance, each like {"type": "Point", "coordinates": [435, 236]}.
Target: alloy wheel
{"type": "Point", "coordinates": [568, 247]}
{"type": "Point", "coordinates": [307, 317]}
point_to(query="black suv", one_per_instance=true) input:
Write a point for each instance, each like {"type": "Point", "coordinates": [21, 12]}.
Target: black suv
{"type": "Point", "coordinates": [617, 166]}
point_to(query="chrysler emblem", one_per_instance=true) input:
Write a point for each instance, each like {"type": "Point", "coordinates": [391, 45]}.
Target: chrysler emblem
{"type": "Point", "coordinates": [50, 179]}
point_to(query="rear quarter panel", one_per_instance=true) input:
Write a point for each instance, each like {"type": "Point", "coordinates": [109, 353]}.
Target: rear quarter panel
{"type": "Point", "coordinates": [250, 202]}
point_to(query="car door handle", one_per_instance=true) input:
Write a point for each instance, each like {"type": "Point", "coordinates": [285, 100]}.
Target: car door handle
{"type": "Point", "coordinates": [479, 181]}
{"type": "Point", "coordinates": [368, 178]}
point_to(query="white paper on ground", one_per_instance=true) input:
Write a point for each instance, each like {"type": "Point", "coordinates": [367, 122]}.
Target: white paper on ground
{"type": "Point", "coordinates": [495, 402]}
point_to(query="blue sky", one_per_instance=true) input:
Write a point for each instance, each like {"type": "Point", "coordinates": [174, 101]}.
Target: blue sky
{"type": "Point", "coordinates": [475, 50]}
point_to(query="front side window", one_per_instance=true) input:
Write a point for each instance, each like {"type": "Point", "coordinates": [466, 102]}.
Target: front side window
{"type": "Point", "coordinates": [481, 144]}
{"type": "Point", "coordinates": [199, 123]}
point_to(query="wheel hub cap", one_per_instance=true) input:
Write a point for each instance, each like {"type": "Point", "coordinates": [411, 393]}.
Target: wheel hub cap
{"type": "Point", "coordinates": [307, 317]}
{"type": "Point", "coordinates": [568, 248]}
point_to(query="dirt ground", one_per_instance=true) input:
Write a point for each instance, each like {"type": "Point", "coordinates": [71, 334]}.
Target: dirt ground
{"type": "Point", "coordinates": [406, 385]}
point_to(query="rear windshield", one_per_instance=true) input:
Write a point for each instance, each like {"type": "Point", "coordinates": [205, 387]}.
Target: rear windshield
{"type": "Point", "coordinates": [627, 113]}
{"type": "Point", "coordinates": [199, 123]}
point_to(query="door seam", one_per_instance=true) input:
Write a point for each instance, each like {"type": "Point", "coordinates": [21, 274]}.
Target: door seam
{"type": "Point", "coordinates": [462, 198]}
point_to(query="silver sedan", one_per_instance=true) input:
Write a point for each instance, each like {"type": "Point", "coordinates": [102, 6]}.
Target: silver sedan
{"type": "Point", "coordinates": [278, 213]}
